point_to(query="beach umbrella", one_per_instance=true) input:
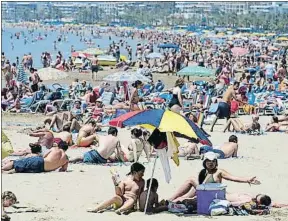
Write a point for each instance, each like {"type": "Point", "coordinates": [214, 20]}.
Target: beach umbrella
{"type": "Point", "coordinates": [266, 57]}
{"type": "Point", "coordinates": [93, 51]}
{"type": "Point", "coordinates": [262, 39]}
{"type": "Point", "coordinates": [196, 71]}
{"type": "Point", "coordinates": [79, 54]}
{"type": "Point", "coordinates": [154, 55]}
{"type": "Point", "coordinates": [273, 48]}
{"type": "Point", "coordinates": [22, 76]}
{"type": "Point", "coordinates": [238, 51]}
{"type": "Point", "coordinates": [282, 39]}
{"type": "Point", "coordinates": [164, 120]}
{"type": "Point", "coordinates": [168, 46]}
{"type": "Point", "coordinates": [126, 76]}
{"type": "Point", "coordinates": [51, 74]}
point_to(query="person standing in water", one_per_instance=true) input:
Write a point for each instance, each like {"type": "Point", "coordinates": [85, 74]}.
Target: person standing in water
{"type": "Point", "coordinates": [94, 67]}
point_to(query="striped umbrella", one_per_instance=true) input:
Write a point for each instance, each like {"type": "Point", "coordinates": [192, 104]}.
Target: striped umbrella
{"type": "Point", "coordinates": [22, 75]}
{"type": "Point", "coordinates": [164, 120]}
{"type": "Point", "coordinates": [126, 76]}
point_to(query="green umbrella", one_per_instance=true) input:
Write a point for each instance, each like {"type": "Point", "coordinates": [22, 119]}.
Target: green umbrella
{"type": "Point", "coordinates": [196, 71]}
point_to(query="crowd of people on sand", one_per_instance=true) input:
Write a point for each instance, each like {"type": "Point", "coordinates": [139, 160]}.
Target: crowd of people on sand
{"type": "Point", "coordinates": [78, 115]}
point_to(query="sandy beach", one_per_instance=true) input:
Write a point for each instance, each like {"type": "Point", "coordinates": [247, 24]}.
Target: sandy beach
{"type": "Point", "coordinates": [66, 196]}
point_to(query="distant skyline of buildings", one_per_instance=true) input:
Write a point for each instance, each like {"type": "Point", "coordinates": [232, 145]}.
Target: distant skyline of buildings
{"type": "Point", "coordinates": [186, 9]}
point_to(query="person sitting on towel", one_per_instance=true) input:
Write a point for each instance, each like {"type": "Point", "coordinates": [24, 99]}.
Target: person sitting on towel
{"type": "Point", "coordinates": [54, 159]}
{"type": "Point", "coordinates": [107, 146]}
{"type": "Point", "coordinates": [225, 105]}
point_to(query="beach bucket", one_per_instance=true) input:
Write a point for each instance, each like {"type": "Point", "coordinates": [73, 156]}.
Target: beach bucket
{"type": "Point", "coordinates": [206, 193]}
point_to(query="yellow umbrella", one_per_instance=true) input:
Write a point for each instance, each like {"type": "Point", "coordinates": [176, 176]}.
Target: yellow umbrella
{"type": "Point", "coordinates": [282, 39]}
{"type": "Point", "coordinates": [221, 34]}
{"type": "Point", "coordinates": [271, 34]}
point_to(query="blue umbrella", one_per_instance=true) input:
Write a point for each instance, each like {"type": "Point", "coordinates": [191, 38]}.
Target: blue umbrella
{"type": "Point", "coordinates": [168, 46]}
{"type": "Point", "coordinates": [164, 120]}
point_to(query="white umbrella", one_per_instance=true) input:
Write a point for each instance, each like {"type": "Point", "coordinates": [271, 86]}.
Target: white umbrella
{"type": "Point", "coordinates": [126, 76]}
{"type": "Point", "coordinates": [154, 55]}
{"type": "Point", "coordinates": [51, 74]}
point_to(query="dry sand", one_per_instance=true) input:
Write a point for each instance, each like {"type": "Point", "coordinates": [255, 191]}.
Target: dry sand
{"type": "Point", "coordinates": [68, 195]}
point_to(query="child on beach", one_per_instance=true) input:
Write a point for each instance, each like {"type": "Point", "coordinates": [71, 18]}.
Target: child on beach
{"type": "Point", "coordinates": [153, 202]}
{"type": "Point", "coordinates": [127, 192]}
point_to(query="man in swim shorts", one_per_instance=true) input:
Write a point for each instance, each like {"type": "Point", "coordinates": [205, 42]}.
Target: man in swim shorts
{"type": "Point", "coordinates": [54, 159]}
{"type": "Point", "coordinates": [227, 150]}
{"type": "Point", "coordinates": [225, 105]}
{"type": "Point", "coordinates": [107, 146]}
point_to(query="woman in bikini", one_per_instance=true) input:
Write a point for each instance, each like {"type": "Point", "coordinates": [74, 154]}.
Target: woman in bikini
{"type": "Point", "coordinates": [135, 99]}
{"type": "Point", "coordinates": [136, 146]}
{"type": "Point", "coordinates": [210, 174]}
{"type": "Point", "coordinates": [127, 192]}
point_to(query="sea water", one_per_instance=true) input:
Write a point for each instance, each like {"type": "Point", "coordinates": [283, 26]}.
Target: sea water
{"type": "Point", "coordinates": [47, 44]}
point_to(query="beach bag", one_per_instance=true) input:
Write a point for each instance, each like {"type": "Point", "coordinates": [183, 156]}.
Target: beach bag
{"type": "Point", "coordinates": [219, 207]}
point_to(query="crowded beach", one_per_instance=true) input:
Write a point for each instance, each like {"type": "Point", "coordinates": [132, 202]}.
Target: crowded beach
{"type": "Point", "coordinates": [180, 124]}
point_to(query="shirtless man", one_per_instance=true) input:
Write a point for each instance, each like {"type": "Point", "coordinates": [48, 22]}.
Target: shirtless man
{"type": "Point", "coordinates": [224, 105]}
{"type": "Point", "coordinates": [94, 67]}
{"type": "Point", "coordinates": [86, 135]}
{"type": "Point", "coordinates": [107, 146]}
{"type": "Point", "coordinates": [52, 160]}
{"type": "Point", "coordinates": [226, 150]}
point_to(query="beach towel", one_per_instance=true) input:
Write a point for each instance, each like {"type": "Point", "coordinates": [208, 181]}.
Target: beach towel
{"type": "Point", "coordinates": [162, 154]}
{"type": "Point", "coordinates": [213, 108]}
{"type": "Point", "coordinates": [173, 145]}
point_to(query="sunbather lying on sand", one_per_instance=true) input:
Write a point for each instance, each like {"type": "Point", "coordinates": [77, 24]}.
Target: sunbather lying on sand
{"type": "Point", "coordinates": [189, 150]}
{"type": "Point", "coordinates": [276, 126]}
{"type": "Point", "coordinates": [238, 125]}
{"type": "Point", "coordinates": [127, 191]}
{"type": "Point", "coordinates": [226, 150]}
{"type": "Point", "coordinates": [210, 174]}
{"type": "Point", "coordinates": [57, 121]}
{"type": "Point", "coordinates": [238, 199]}
{"type": "Point", "coordinates": [52, 160]}
{"type": "Point", "coordinates": [107, 146]}
{"type": "Point", "coordinates": [45, 137]}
